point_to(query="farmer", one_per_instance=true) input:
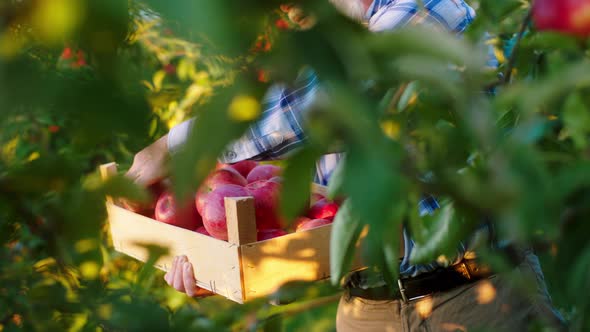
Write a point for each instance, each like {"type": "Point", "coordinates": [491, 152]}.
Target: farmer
{"type": "Point", "coordinates": [446, 295]}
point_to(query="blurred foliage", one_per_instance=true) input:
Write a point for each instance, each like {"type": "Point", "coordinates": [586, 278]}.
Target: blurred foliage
{"type": "Point", "coordinates": [87, 82]}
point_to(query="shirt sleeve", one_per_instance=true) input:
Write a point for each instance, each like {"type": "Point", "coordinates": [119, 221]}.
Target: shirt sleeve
{"type": "Point", "coordinates": [178, 135]}
{"type": "Point", "coordinates": [279, 131]}
{"type": "Point", "coordinates": [442, 15]}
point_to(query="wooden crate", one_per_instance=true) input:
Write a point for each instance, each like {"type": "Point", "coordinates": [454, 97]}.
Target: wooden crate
{"type": "Point", "coordinates": [239, 269]}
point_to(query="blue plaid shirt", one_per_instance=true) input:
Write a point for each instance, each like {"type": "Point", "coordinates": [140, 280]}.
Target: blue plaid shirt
{"type": "Point", "coordinates": [281, 127]}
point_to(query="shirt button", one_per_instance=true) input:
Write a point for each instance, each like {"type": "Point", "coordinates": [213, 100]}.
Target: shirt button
{"type": "Point", "coordinates": [275, 138]}
{"type": "Point", "coordinates": [230, 155]}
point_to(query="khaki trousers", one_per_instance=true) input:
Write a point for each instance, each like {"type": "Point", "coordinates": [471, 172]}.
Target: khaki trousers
{"type": "Point", "coordinates": [493, 304]}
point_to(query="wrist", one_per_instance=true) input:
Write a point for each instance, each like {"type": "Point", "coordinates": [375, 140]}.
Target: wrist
{"type": "Point", "coordinates": [161, 145]}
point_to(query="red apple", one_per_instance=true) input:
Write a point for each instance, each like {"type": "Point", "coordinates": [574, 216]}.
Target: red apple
{"type": "Point", "coordinates": [185, 216]}
{"type": "Point", "coordinates": [244, 167]}
{"type": "Point", "coordinates": [213, 209]}
{"type": "Point", "coordinates": [202, 230]}
{"type": "Point", "coordinates": [147, 209]}
{"type": "Point", "coordinates": [200, 199]}
{"type": "Point", "coordinates": [312, 224]}
{"type": "Point", "coordinates": [566, 16]}
{"type": "Point", "coordinates": [269, 234]}
{"type": "Point", "coordinates": [266, 203]}
{"type": "Point", "coordinates": [298, 221]}
{"type": "Point", "coordinates": [323, 209]}
{"type": "Point", "coordinates": [225, 175]}
{"type": "Point", "coordinates": [263, 172]}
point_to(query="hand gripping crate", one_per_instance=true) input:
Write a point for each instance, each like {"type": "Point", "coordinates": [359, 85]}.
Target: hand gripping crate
{"type": "Point", "coordinates": [239, 269]}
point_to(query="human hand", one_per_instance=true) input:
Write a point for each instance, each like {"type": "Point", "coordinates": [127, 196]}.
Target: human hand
{"type": "Point", "coordinates": [182, 278]}
{"type": "Point", "coordinates": [150, 164]}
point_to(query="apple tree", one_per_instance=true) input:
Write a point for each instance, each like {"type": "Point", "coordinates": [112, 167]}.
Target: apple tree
{"type": "Point", "coordinates": [87, 82]}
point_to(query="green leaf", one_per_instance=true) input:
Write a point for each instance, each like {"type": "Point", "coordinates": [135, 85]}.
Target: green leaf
{"type": "Point", "coordinates": [410, 92]}
{"type": "Point", "coordinates": [145, 277]}
{"type": "Point", "coordinates": [432, 71]}
{"type": "Point", "coordinates": [229, 26]}
{"type": "Point", "coordinates": [441, 46]}
{"type": "Point", "coordinates": [336, 181]}
{"type": "Point", "coordinates": [536, 96]}
{"type": "Point", "coordinates": [374, 181]}
{"type": "Point", "coordinates": [46, 174]}
{"type": "Point", "coordinates": [551, 41]}
{"type": "Point", "coordinates": [570, 179]}
{"type": "Point", "coordinates": [213, 130]}
{"type": "Point", "coordinates": [273, 323]}
{"type": "Point", "coordinates": [297, 180]}
{"type": "Point", "coordinates": [346, 230]}
{"type": "Point", "coordinates": [391, 237]}
{"type": "Point", "coordinates": [576, 117]}
{"type": "Point", "coordinates": [499, 9]}
{"type": "Point", "coordinates": [122, 186]}
{"type": "Point", "coordinates": [446, 228]}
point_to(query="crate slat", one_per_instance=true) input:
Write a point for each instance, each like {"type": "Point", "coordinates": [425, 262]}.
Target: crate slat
{"type": "Point", "coordinates": [216, 262]}
{"type": "Point", "coordinates": [296, 256]}
{"type": "Point", "coordinates": [241, 220]}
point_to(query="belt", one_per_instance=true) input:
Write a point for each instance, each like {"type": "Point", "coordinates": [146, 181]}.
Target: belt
{"type": "Point", "coordinates": [440, 280]}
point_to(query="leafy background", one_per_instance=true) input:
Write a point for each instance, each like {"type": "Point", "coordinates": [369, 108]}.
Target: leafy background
{"type": "Point", "coordinates": [86, 82]}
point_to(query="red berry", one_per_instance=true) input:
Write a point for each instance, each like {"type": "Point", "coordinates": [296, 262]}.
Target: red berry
{"type": "Point", "coordinates": [258, 46]}
{"type": "Point", "coordinates": [66, 54]}
{"type": "Point", "coordinates": [81, 62]}
{"type": "Point", "coordinates": [262, 76]}
{"type": "Point", "coordinates": [170, 69]}
{"type": "Point", "coordinates": [282, 24]}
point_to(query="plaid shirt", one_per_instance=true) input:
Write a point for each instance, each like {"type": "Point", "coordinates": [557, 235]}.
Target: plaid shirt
{"type": "Point", "coordinates": [281, 127]}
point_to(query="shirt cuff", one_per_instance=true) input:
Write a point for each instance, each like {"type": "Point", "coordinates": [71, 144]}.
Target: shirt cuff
{"type": "Point", "coordinates": [178, 135]}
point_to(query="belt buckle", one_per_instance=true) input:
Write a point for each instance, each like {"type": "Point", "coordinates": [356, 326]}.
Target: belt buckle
{"type": "Point", "coordinates": [463, 269]}
{"type": "Point", "coordinates": [402, 290]}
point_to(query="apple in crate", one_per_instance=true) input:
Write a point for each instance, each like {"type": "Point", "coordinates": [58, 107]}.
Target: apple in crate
{"type": "Point", "coordinates": [147, 209]}
{"type": "Point", "coordinates": [266, 203]}
{"type": "Point", "coordinates": [323, 209]}
{"type": "Point", "coordinates": [267, 234]}
{"type": "Point", "coordinates": [202, 230]}
{"type": "Point", "coordinates": [263, 172]}
{"type": "Point", "coordinates": [224, 175]}
{"type": "Point", "coordinates": [298, 221]}
{"type": "Point", "coordinates": [313, 223]}
{"type": "Point", "coordinates": [169, 212]}
{"type": "Point", "coordinates": [212, 208]}
{"type": "Point", "coordinates": [244, 167]}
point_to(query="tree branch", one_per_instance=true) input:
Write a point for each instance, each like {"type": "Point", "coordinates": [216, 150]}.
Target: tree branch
{"type": "Point", "coordinates": [514, 55]}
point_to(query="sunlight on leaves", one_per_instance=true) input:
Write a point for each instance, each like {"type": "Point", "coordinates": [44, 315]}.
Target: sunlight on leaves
{"type": "Point", "coordinates": [486, 292]}
{"type": "Point", "coordinates": [244, 108]}
{"type": "Point", "coordinates": [56, 20]}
